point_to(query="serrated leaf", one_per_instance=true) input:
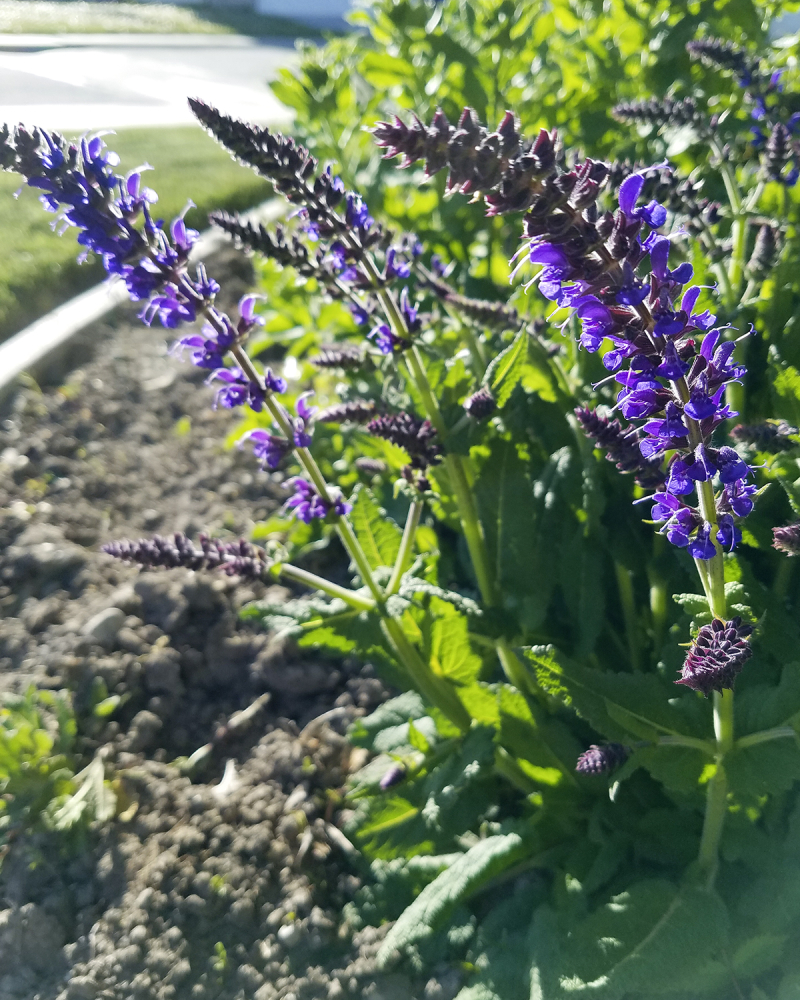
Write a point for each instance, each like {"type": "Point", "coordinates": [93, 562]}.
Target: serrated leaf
{"type": "Point", "coordinates": [450, 653]}
{"type": "Point", "coordinates": [651, 939]}
{"type": "Point", "coordinates": [507, 369]}
{"type": "Point", "coordinates": [764, 706]}
{"type": "Point", "coordinates": [764, 769]}
{"type": "Point", "coordinates": [412, 585]}
{"type": "Point", "coordinates": [437, 901]}
{"type": "Point", "coordinates": [377, 533]}
{"type": "Point", "coordinates": [387, 717]}
{"type": "Point", "coordinates": [617, 705]}
{"type": "Point", "coordinates": [519, 519]}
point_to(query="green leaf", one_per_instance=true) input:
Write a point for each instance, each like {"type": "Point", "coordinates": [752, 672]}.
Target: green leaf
{"type": "Point", "coordinates": [617, 705]}
{"type": "Point", "coordinates": [507, 369]}
{"type": "Point", "coordinates": [763, 769]}
{"type": "Point", "coordinates": [519, 519]}
{"type": "Point", "coordinates": [437, 901]}
{"type": "Point", "coordinates": [786, 388]}
{"type": "Point", "coordinates": [450, 652]}
{"type": "Point", "coordinates": [391, 717]}
{"type": "Point", "coordinates": [377, 533]}
{"type": "Point", "coordinates": [765, 706]}
{"type": "Point", "coordinates": [652, 939]}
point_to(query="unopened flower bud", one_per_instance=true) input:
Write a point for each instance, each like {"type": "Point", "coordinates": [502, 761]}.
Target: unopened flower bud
{"type": "Point", "coordinates": [602, 759]}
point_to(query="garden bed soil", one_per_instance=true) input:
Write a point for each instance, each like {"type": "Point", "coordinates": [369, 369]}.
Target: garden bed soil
{"type": "Point", "coordinates": [229, 883]}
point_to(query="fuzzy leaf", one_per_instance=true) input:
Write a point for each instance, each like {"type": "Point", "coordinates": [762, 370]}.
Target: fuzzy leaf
{"type": "Point", "coordinates": [378, 534]}
{"type": "Point", "coordinates": [437, 901]}
{"type": "Point", "coordinates": [392, 716]}
{"type": "Point", "coordinates": [451, 654]}
{"type": "Point", "coordinates": [652, 939]}
{"type": "Point", "coordinates": [411, 585]}
{"type": "Point", "coordinates": [520, 518]}
{"type": "Point", "coordinates": [764, 706]}
{"type": "Point", "coordinates": [507, 369]}
{"type": "Point", "coordinates": [767, 768]}
{"type": "Point", "coordinates": [617, 705]}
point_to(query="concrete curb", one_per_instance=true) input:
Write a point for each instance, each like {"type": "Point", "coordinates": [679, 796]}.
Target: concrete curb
{"type": "Point", "coordinates": [37, 43]}
{"type": "Point", "coordinates": [39, 343]}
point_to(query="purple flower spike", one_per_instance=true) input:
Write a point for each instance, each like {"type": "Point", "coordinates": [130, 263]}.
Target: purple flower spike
{"type": "Point", "coordinates": [602, 759]}
{"type": "Point", "coordinates": [787, 539]}
{"type": "Point", "coordinates": [716, 657]}
{"type": "Point", "coordinates": [728, 535]}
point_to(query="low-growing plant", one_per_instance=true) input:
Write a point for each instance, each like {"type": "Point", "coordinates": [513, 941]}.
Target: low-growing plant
{"type": "Point", "coordinates": [544, 629]}
{"type": "Point", "coordinates": [39, 786]}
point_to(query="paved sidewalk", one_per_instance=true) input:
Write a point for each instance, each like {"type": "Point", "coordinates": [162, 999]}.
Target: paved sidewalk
{"type": "Point", "coordinates": [72, 83]}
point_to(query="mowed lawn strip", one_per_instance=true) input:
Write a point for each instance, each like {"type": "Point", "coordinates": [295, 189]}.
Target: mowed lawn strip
{"type": "Point", "coordinates": [39, 270]}
{"type": "Point", "coordinates": [65, 16]}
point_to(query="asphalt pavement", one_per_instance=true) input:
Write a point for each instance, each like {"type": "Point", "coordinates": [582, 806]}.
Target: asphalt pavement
{"type": "Point", "coordinates": [73, 83]}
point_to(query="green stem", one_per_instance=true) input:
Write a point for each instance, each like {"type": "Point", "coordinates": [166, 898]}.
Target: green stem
{"type": "Point", "coordinates": [514, 669]}
{"type": "Point", "coordinates": [708, 747]}
{"type": "Point", "coordinates": [505, 764]}
{"type": "Point", "coordinates": [765, 736]}
{"type": "Point", "coordinates": [473, 529]}
{"type": "Point", "coordinates": [717, 794]}
{"type": "Point", "coordinates": [420, 380]}
{"type": "Point", "coordinates": [625, 587]}
{"type": "Point", "coordinates": [406, 545]}
{"type": "Point", "coordinates": [475, 347]}
{"type": "Point", "coordinates": [314, 582]}
{"type": "Point", "coordinates": [313, 472]}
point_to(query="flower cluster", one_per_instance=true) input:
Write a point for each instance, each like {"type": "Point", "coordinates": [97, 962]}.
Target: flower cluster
{"type": "Point", "coordinates": [717, 655]}
{"type": "Point", "coordinates": [763, 89]}
{"type": "Point", "coordinates": [787, 539]}
{"type": "Point", "coordinates": [238, 558]}
{"type": "Point", "coordinates": [416, 437]}
{"type": "Point", "coordinates": [336, 222]}
{"type": "Point", "coordinates": [602, 759]}
{"type": "Point", "coordinates": [309, 506]}
{"type": "Point", "coordinates": [113, 219]}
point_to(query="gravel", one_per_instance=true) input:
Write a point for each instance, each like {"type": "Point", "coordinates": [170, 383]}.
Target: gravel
{"type": "Point", "coordinates": [227, 884]}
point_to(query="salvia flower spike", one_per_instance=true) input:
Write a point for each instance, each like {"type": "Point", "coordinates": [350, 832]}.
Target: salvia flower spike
{"type": "Point", "coordinates": [238, 558]}
{"type": "Point", "coordinates": [716, 656]}
{"type": "Point", "coordinates": [602, 759]}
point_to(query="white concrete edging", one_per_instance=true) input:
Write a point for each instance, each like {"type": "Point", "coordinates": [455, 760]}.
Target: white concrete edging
{"type": "Point", "coordinates": [26, 350]}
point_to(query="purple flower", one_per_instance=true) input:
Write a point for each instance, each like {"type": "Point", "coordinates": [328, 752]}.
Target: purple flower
{"type": "Point", "coordinates": [385, 340]}
{"type": "Point", "coordinates": [680, 528]}
{"type": "Point", "coordinates": [413, 323]}
{"type": "Point", "coordinates": [274, 383]}
{"type": "Point", "coordinates": [236, 390]}
{"type": "Point", "coordinates": [396, 267]}
{"type": "Point", "coordinates": [678, 480]}
{"type": "Point", "coordinates": [596, 322]}
{"type": "Point", "coordinates": [357, 213]}
{"type": "Point", "coordinates": [302, 422]}
{"type": "Point", "coordinates": [731, 465]}
{"type": "Point", "coordinates": [171, 309]}
{"type": "Point", "coordinates": [701, 546]}
{"type": "Point", "coordinates": [659, 255]}
{"type": "Point", "coordinates": [737, 498]}
{"type": "Point", "coordinates": [248, 319]}
{"type": "Point", "coordinates": [308, 505]}
{"type": "Point", "coordinates": [700, 405]}
{"type": "Point", "coordinates": [267, 448]}
{"type": "Point", "coordinates": [653, 214]}
{"type": "Point", "coordinates": [360, 314]}
{"type": "Point", "coordinates": [728, 534]}
{"type": "Point", "coordinates": [699, 466]}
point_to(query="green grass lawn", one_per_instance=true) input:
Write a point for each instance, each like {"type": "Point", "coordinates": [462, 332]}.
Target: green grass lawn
{"type": "Point", "coordinates": [38, 269]}
{"type": "Point", "coordinates": [37, 16]}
